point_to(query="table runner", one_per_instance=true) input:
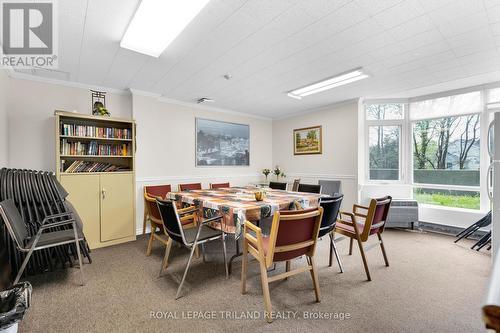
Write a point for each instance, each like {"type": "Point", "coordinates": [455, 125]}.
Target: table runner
{"type": "Point", "coordinates": [237, 204]}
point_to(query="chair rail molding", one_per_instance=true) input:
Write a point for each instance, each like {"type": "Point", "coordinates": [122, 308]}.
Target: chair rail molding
{"type": "Point", "coordinates": [179, 178]}
{"type": "Point", "coordinates": [321, 175]}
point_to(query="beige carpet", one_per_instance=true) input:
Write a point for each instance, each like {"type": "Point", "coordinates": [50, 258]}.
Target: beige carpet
{"type": "Point", "coordinates": [431, 285]}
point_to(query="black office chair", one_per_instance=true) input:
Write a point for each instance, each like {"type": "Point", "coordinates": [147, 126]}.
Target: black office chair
{"type": "Point", "coordinates": [309, 188]}
{"type": "Point", "coordinates": [42, 240]}
{"type": "Point", "coordinates": [277, 186]}
{"type": "Point", "coordinates": [331, 207]}
{"type": "Point", "coordinates": [190, 238]}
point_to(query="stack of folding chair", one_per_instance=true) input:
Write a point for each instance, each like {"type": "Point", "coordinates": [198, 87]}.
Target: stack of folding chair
{"type": "Point", "coordinates": [483, 241]}
{"type": "Point", "coordinates": [37, 194]}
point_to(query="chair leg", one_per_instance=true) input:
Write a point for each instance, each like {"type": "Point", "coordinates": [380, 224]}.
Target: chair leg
{"type": "Point", "coordinates": [224, 253]}
{"type": "Point", "coordinates": [383, 249]}
{"type": "Point", "coordinates": [186, 270]}
{"type": "Point", "coordinates": [363, 256]}
{"type": "Point", "coordinates": [314, 276]}
{"type": "Point", "coordinates": [23, 265]}
{"type": "Point", "coordinates": [287, 267]}
{"type": "Point", "coordinates": [265, 291]}
{"type": "Point", "coordinates": [330, 256]}
{"type": "Point", "coordinates": [144, 222]}
{"type": "Point", "coordinates": [151, 239]}
{"type": "Point", "coordinates": [203, 252]}
{"type": "Point", "coordinates": [80, 261]}
{"type": "Point", "coordinates": [164, 263]}
{"type": "Point", "coordinates": [244, 268]}
{"type": "Point", "coordinates": [350, 245]}
{"type": "Point", "coordinates": [333, 248]}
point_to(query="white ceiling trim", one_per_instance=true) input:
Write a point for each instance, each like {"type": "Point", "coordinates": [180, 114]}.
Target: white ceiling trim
{"type": "Point", "coordinates": [22, 76]}
{"type": "Point", "coordinates": [197, 106]}
{"type": "Point", "coordinates": [72, 84]}
{"type": "Point", "coordinates": [318, 109]}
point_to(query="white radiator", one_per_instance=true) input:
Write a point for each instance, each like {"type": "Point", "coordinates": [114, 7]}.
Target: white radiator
{"type": "Point", "coordinates": [402, 214]}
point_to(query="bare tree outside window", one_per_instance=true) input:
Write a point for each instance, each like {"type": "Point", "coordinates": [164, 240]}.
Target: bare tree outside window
{"type": "Point", "coordinates": [446, 151]}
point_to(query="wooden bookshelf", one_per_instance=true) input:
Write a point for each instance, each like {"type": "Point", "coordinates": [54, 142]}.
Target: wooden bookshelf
{"type": "Point", "coordinates": [100, 186]}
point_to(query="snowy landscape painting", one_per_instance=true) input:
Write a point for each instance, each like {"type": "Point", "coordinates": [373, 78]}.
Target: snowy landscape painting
{"type": "Point", "coordinates": [220, 143]}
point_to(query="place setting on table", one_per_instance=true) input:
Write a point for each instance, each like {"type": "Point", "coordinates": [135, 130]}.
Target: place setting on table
{"type": "Point", "coordinates": [243, 203]}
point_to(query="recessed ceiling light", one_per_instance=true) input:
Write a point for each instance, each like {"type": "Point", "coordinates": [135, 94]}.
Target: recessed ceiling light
{"type": "Point", "coordinates": [336, 81]}
{"type": "Point", "coordinates": [156, 23]}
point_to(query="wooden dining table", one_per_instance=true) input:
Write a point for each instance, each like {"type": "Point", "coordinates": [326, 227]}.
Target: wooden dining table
{"type": "Point", "coordinates": [238, 204]}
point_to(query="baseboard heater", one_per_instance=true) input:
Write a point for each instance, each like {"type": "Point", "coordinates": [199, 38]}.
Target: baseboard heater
{"type": "Point", "coordinates": [403, 214]}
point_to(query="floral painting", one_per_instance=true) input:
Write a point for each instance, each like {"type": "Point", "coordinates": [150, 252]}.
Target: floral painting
{"type": "Point", "coordinates": [307, 140]}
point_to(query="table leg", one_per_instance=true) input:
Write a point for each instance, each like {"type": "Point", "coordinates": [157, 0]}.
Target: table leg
{"type": "Point", "coordinates": [238, 254]}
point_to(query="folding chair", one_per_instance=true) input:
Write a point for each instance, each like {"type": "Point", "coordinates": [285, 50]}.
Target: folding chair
{"type": "Point", "coordinates": [42, 240]}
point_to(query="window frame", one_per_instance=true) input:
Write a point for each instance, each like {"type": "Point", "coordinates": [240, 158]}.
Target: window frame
{"type": "Point", "coordinates": [406, 146]}
{"type": "Point", "coordinates": [402, 135]}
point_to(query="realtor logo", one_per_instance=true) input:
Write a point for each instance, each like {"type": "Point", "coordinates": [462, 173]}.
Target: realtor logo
{"type": "Point", "coordinates": [29, 34]}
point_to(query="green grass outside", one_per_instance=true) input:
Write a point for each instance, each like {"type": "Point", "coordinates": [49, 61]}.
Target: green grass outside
{"type": "Point", "coordinates": [449, 200]}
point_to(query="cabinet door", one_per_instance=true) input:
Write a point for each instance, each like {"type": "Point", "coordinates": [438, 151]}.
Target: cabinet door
{"type": "Point", "coordinates": [84, 194]}
{"type": "Point", "coordinates": [117, 206]}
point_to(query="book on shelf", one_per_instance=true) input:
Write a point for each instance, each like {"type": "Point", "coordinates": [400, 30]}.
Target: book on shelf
{"type": "Point", "coordinates": [90, 166]}
{"type": "Point", "coordinates": [93, 148]}
{"type": "Point", "coordinates": [95, 131]}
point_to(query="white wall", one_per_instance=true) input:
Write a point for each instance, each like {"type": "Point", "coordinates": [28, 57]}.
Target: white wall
{"type": "Point", "coordinates": [339, 160]}
{"type": "Point", "coordinates": [31, 107]}
{"type": "Point", "coordinates": [166, 146]}
{"type": "Point", "coordinates": [4, 136]}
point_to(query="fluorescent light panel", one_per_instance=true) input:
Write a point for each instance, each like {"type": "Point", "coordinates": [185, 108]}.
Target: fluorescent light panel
{"type": "Point", "coordinates": [333, 82]}
{"type": "Point", "coordinates": [156, 23]}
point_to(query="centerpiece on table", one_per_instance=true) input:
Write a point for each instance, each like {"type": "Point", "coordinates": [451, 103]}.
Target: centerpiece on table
{"type": "Point", "coordinates": [260, 195]}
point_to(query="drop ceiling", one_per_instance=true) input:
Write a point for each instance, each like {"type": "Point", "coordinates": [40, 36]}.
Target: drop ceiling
{"type": "Point", "coordinates": [270, 47]}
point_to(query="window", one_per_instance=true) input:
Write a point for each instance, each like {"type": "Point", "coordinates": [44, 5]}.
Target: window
{"type": "Point", "coordinates": [384, 111]}
{"type": "Point", "coordinates": [384, 152]}
{"type": "Point", "coordinates": [446, 150]}
{"type": "Point", "coordinates": [384, 127]}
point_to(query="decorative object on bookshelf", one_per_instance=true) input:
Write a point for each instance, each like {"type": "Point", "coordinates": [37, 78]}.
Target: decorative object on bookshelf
{"type": "Point", "coordinates": [99, 103]}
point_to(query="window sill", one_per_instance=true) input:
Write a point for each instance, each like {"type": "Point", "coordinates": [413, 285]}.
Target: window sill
{"type": "Point", "coordinates": [454, 209]}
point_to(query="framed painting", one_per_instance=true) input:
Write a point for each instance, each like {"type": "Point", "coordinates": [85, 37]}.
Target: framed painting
{"type": "Point", "coordinates": [220, 143]}
{"type": "Point", "coordinates": [307, 140]}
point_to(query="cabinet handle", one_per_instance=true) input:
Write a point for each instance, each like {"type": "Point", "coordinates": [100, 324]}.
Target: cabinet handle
{"type": "Point", "coordinates": [103, 193]}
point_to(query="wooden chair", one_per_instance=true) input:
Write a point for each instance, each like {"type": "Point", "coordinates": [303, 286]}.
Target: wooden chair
{"type": "Point", "coordinates": [153, 192]}
{"type": "Point", "coordinates": [157, 232]}
{"type": "Point", "coordinates": [219, 185]}
{"type": "Point", "coordinates": [189, 187]}
{"type": "Point", "coordinates": [361, 226]}
{"type": "Point", "coordinates": [293, 234]}
{"type": "Point", "coordinates": [295, 186]}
